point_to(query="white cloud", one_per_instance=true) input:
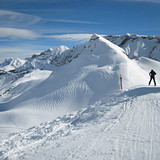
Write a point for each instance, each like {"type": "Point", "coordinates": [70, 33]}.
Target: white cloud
{"type": "Point", "coordinates": [71, 21]}
{"type": "Point", "coordinates": [9, 18]}
{"type": "Point", "coordinates": [72, 37]}
{"type": "Point", "coordinates": [20, 52]}
{"type": "Point", "coordinates": [15, 33]}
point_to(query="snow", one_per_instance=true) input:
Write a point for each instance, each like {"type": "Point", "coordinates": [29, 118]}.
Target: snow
{"type": "Point", "coordinates": [11, 64]}
{"type": "Point", "coordinates": [16, 89]}
{"type": "Point", "coordinates": [138, 45]}
{"type": "Point", "coordinates": [126, 126]}
{"type": "Point", "coordinates": [79, 112]}
{"type": "Point", "coordinates": [46, 60]}
{"type": "Point", "coordinates": [20, 85]}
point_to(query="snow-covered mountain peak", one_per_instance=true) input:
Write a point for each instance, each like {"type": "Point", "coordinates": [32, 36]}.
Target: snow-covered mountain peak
{"type": "Point", "coordinates": [54, 51]}
{"type": "Point", "coordinates": [11, 63]}
{"type": "Point", "coordinates": [100, 45]}
{"type": "Point", "coordinates": [59, 49]}
{"type": "Point", "coordinates": [94, 37]}
{"type": "Point", "coordinates": [17, 62]}
{"type": "Point", "coordinates": [45, 60]}
{"type": "Point", "coordinates": [62, 48]}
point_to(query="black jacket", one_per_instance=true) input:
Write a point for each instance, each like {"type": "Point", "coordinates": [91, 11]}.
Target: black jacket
{"type": "Point", "coordinates": [152, 73]}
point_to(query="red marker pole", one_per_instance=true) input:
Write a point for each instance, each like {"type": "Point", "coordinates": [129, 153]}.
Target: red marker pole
{"type": "Point", "coordinates": [120, 81]}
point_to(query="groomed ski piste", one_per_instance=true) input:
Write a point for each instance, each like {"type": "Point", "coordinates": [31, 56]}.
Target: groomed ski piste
{"type": "Point", "coordinates": [80, 113]}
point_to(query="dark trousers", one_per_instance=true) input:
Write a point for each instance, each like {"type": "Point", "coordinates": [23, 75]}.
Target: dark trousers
{"type": "Point", "coordinates": [153, 80]}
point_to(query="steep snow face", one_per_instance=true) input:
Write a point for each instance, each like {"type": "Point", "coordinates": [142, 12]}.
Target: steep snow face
{"type": "Point", "coordinates": [11, 64]}
{"type": "Point", "coordinates": [138, 46]}
{"type": "Point", "coordinates": [114, 57]}
{"type": "Point", "coordinates": [90, 73]}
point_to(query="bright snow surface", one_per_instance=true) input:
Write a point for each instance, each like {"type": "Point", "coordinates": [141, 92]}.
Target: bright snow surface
{"type": "Point", "coordinates": [10, 64]}
{"type": "Point", "coordinates": [107, 123]}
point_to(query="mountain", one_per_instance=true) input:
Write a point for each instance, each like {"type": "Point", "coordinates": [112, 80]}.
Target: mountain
{"type": "Point", "coordinates": [91, 73]}
{"type": "Point", "coordinates": [22, 74]}
{"type": "Point", "coordinates": [11, 64]}
{"type": "Point", "coordinates": [76, 108]}
{"type": "Point", "coordinates": [47, 60]}
{"type": "Point", "coordinates": [137, 45]}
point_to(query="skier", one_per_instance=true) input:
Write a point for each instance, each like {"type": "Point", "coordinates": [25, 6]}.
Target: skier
{"type": "Point", "coordinates": [152, 76]}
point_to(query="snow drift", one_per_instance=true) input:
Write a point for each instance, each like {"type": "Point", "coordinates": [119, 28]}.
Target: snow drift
{"type": "Point", "coordinates": [93, 73]}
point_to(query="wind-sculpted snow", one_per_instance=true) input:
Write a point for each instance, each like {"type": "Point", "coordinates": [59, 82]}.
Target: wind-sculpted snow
{"type": "Point", "coordinates": [93, 73]}
{"type": "Point", "coordinates": [66, 125]}
{"type": "Point", "coordinates": [138, 46]}
{"type": "Point", "coordinates": [122, 126]}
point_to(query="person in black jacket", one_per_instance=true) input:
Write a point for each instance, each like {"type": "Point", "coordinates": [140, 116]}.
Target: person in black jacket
{"type": "Point", "coordinates": [152, 74]}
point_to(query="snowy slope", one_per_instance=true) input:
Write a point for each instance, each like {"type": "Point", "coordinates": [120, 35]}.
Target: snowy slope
{"type": "Point", "coordinates": [138, 45]}
{"type": "Point", "coordinates": [126, 126]}
{"type": "Point", "coordinates": [85, 80]}
{"type": "Point", "coordinates": [89, 116]}
{"type": "Point", "coordinates": [13, 85]}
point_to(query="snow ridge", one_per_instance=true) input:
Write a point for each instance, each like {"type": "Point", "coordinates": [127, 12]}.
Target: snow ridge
{"type": "Point", "coordinates": [138, 45]}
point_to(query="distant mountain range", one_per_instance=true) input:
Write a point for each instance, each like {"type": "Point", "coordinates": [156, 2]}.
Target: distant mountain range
{"type": "Point", "coordinates": [135, 46]}
{"type": "Point", "coordinates": [138, 46]}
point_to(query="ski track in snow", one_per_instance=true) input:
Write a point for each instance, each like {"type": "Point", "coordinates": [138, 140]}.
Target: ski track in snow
{"type": "Point", "coordinates": [127, 130]}
{"type": "Point", "coordinates": [138, 138]}
{"type": "Point", "coordinates": [139, 132]}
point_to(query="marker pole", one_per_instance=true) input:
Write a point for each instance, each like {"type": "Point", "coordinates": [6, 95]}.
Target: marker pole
{"type": "Point", "coordinates": [120, 81]}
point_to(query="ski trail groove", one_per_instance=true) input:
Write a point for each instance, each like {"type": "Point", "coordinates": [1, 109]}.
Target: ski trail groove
{"type": "Point", "coordinates": [106, 128]}
{"type": "Point", "coordinates": [151, 135]}
{"type": "Point", "coordinates": [127, 127]}
{"type": "Point", "coordinates": [139, 127]}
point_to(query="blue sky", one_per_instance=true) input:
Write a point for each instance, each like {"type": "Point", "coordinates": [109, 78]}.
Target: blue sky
{"type": "Point", "coordinates": [31, 26]}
